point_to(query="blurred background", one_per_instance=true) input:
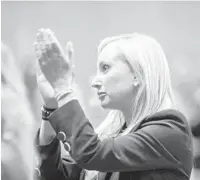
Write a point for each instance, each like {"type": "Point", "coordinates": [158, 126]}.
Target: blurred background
{"type": "Point", "coordinates": [174, 24]}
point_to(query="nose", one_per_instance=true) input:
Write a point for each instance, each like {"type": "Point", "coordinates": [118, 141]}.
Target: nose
{"type": "Point", "coordinates": [96, 83]}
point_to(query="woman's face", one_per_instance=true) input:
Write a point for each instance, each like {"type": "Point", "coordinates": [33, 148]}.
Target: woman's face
{"type": "Point", "coordinates": [114, 81]}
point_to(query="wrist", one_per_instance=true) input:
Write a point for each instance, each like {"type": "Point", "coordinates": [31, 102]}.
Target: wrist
{"type": "Point", "coordinates": [51, 104]}
{"type": "Point", "coordinates": [61, 85]}
{"type": "Point", "coordinates": [63, 93]}
{"type": "Point", "coordinates": [66, 98]}
{"type": "Point", "coordinates": [46, 112]}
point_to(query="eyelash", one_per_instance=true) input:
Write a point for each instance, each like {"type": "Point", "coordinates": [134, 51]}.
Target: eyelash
{"type": "Point", "coordinates": [105, 69]}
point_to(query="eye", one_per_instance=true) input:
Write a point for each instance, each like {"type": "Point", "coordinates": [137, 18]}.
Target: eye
{"type": "Point", "coordinates": [105, 68]}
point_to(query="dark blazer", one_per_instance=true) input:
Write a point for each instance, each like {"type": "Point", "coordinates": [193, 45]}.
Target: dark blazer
{"type": "Point", "coordinates": [159, 149]}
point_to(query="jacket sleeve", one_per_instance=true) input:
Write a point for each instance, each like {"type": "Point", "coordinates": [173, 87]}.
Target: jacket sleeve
{"type": "Point", "coordinates": [154, 145]}
{"type": "Point", "coordinates": [52, 166]}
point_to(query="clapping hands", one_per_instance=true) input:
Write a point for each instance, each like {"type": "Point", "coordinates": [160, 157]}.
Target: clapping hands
{"type": "Point", "coordinates": [54, 66]}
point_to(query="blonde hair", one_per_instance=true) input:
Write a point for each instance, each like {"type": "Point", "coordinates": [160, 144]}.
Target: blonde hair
{"type": "Point", "coordinates": [146, 58]}
{"type": "Point", "coordinates": [17, 122]}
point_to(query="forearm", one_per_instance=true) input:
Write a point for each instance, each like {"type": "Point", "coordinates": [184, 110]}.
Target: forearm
{"type": "Point", "coordinates": [52, 166]}
{"type": "Point", "coordinates": [47, 133]}
{"type": "Point", "coordinates": [51, 163]}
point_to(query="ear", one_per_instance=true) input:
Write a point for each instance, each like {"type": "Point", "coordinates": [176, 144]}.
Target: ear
{"type": "Point", "coordinates": [135, 84]}
{"type": "Point", "coordinates": [135, 81]}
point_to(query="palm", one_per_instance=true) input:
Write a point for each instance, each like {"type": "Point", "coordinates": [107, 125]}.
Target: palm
{"type": "Point", "coordinates": [54, 64]}
{"type": "Point", "coordinates": [46, 91]}
{"type": "Point", "coordinates": [54, 70]}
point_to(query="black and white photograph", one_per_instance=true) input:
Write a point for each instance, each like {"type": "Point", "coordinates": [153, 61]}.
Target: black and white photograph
{"type": "Point", "coordinates": [100, 90]}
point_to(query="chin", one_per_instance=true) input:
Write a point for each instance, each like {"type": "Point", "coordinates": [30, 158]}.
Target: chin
{"type": "Point", "coordinates": [107, 105]}
{"type": "Point", "coordinates": [104, 106]}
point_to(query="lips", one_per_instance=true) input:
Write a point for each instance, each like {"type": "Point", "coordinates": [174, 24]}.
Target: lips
{"type": "Point", "coordinates": [101, 94]}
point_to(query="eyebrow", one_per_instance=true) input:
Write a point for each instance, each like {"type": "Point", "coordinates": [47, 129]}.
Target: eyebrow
{"type": "Point", "coordinates": [117, 57]}
{"type": "Point", "coordinates": [102, 63]}
{"type": "Point", "coordinates": [120, 57]}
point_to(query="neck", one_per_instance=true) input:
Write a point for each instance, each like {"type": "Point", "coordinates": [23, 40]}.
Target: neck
{"type": "Point", "coordinates": [127, 109]}
{"type": "Point", "coordinates": [127, 113]}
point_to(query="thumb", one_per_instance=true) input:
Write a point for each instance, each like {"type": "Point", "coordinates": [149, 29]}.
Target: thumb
{"type": "Point", "coordinates": [70, 53]}
{"type": "Point", "coordinates": [38, 69]}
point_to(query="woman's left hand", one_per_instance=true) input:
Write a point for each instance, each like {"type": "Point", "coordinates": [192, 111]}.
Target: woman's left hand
{"type": "Point", "coordinates": [55, 65]}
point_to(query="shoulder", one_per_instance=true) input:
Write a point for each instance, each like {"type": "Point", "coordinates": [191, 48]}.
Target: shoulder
{"type": "Point", "coordinates": [168, 118]}
{"type": "Point", "coordinates": [170, 129]}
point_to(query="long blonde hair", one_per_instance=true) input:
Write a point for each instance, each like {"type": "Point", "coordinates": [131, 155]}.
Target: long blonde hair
{"type": "Point", "coordinates": [146, 58]}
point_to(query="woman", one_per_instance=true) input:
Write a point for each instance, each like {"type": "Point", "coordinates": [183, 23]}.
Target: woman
{"type": "Point", "coordinates": [144, 136]}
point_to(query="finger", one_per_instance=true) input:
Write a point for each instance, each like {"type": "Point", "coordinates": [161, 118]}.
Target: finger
{"type": "Point", "coordinates": [42, 38]}
{"type": "Point", "coordinates": [39, 36]}
{"type": "Point", "coordinates": [40, 62]}
{"type": "Point", "coordinates": [41, 46]}
{"type": "Point", "coordinates": [52, 40]}
{"type": "Point", "coordinates": [49, 51]}
{"type": "Point", "coordinates": [49, 35]}
{"type": "Point", "coordinates": [56, 46]}
{"type": "Point", "coordinates": [38, 66]}
{"type": "Point", "coordinates": [37, 50]}
{"type": "Point", "coordinates": [38, 69]}
{"type": "Point", "coordinates": [45, 43]}
{"type": "Point", "coordinates": [43, 59]}
{"type": "Point", "coordinates": [70, 53]}
{"type": "Point", "coordinates": [55, 52]}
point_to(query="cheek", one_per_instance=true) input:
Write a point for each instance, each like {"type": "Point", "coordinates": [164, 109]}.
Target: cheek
{"type": "Point", "coordinates": [118, 82]}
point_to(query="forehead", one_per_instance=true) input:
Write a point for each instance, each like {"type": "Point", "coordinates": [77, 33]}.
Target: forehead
{"type": "Point", "coordinates": [110, 53]}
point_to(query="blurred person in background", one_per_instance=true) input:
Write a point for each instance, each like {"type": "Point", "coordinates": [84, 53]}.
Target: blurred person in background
{"type": "Point", "coordinates": [17, 124]}
{"type": "Point", "coordinates": [186, 81]}
{"type": "Point", "coordinates": [144, 136]}
{"type": "Point", "coordinates": [28, 68]}
{"type": "Point", "coordinates": [187, 84]}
